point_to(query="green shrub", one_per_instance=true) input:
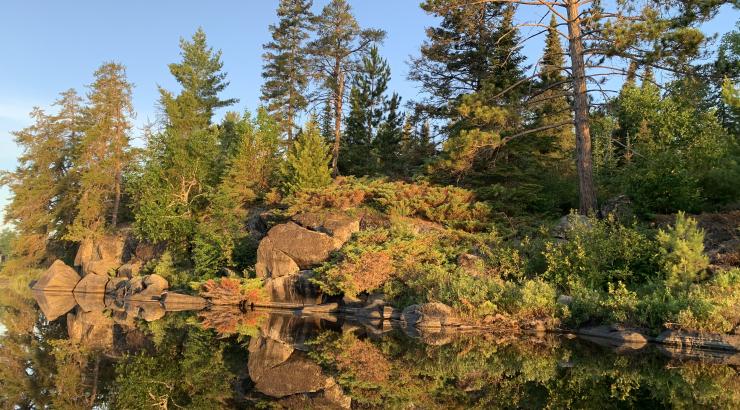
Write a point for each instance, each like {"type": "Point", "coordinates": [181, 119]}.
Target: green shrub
{"type": "Point", "coordinates": [599, 252]}
{"type": "Point", "coordinates": [682, 252]}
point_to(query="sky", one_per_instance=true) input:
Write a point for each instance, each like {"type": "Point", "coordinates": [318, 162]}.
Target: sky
{"type": "Point", "coordinates": [49, 46]}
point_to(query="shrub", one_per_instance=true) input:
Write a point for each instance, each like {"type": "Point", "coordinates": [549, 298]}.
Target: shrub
{"type": "Point", "coordinates": [599, 252]}
{"type": "Point", "coordinates": [307, 163]}
{"type": "Point", "coordinates": [682, 252]}
{"type": "Point", "coordinates": [449, 206]}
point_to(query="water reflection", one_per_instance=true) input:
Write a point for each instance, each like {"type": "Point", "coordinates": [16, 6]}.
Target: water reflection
{"type": "Point", "coordinates": [112, 357]}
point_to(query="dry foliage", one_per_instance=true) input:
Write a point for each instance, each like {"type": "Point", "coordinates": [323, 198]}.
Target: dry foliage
{"type": "Point", "coordinates": [365, 361]}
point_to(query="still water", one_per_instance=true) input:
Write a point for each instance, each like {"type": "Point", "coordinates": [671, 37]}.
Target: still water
{"type": "Point", "coordinates": [226, 358]}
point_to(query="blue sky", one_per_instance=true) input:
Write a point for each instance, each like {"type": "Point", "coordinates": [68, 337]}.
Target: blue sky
{"type": "Point", "coordinates": [49, 46]}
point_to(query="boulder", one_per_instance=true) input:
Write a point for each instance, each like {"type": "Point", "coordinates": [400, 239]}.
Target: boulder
{"type": "Point", "coordinates": [129, 270]}
{"type": "Point", "coordinates": [433, 315]}
{"type": "Point", "coordinates": [305, 247]}
{"type": "Point", "coordinates": [151, 311]}
{"type": "Point", "coordinates": [325, 308]}
{"type": "Point", "coordinates": [58, 278]}
{"type": "Point", "coordinates": [340, 226]}
{"type": "Point", "coordinates": [157, 282]}
{"type": "Point", "coordinates": [272, 262]}
{"type": "Point", "coordinates": [565, 300]}
{"type": "Point", "coordinates": [296, 288]}
{"type": "Point", "coordinates": [266, 353]}
{"type": "Point", "coordinates": [100, 255]}
{"type": "Point", "coordinates": [567, 223]}
{"type": "Point", "coordinates": [692, 340]}
{"type": "Point", "coordinates": [92, 283]}
{"type": "Point", "coordinates": [296, 375]}
{"type": "Point", "coordinates": [90, 302]}
{"type": "Point", "coordinates": [114, 284]}
{"type": "Point", "coordinates": [616, 335]}
{"type": "Point", "coordinates": [175, 302]}
{"type": "Point", "coordinates": [54, 304]}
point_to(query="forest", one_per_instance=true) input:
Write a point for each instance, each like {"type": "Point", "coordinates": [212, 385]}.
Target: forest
{"type": "Point", "coordinates": [605, 171]}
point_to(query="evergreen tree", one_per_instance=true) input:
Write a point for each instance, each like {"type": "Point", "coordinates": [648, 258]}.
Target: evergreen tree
{"type": "Point", "coordinates": [307, 162]}
{"type": "Point", "coordinates": [456, 57]}
{"type": "Point", "coordinates": [368, 105]}
{"type": "Point", "coordinates": [339, 40]}
{"type": "Point", "coordinates": [201, 77]}
{"type": "Point", "coordinates": [286, 67]}
{"type": "Point", "coordinates": [326, 120]}
{"type": "Point", "coordinates": [388, 142]}
{"type": "Point", "coordinates": [104, 152]}
{"type": "Point", "coordinates": [184, 162]}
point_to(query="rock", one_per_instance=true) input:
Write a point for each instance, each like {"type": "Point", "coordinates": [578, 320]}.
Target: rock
{"type": "Point", "coordinates": [618, 336]}
{"type": "Point", "coordinates": [692, 340]}
{"type": "Point", "coordinates": [114, 284]}
{"type": "Point", "coordinates": [294, 289]}
{"type": "Point", "coordinates": [470, 263]}
{"type": "Point", "coordinates": [306, 248]}
{"type": "Point", "coordinates": [296, 375]}
{"type": "Point", "coordinates": [92, 283]}
{"type": "Point", "coordinates": [266, 353]}
{"type": "Point", "coordinates": [429, 315]}
{"type": "Point", "coordinates": [58, 278]}
{"type": "Point", "coordinates": [90, 302]}
{"type": "Point", "coordinates": [175, 302]}
{"type": "Point", "coordinates": [149, 294]}
{"type": "Point", "coordinates": [54, 304]}
{"type": "Point", "coordinates": [151, 311]}
{"type": "Point", "coordinates": [272, 262]}
{"type": "Point", "coordinates": [567, 223]}
{"type": "Point", "coordinates": [565, 300]}
{"type": "Point", "coordinates": [157, 282]}
{"type": "Point", "coordinates": [392, 313]}
{"type": "Point", "coordinates": [90, 329]}
{"type": "Point", "coordinates": [100, 255]}
{"type": "Point", "coordinates": [338, 225]}
{"type": "Point", "coordinates": [129, 270]}
{"type": "Point", "coordinates": [325, 308]}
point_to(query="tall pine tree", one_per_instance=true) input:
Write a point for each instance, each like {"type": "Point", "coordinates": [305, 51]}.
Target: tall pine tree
{"type": "Point", "coordinates": [339, 40]}
{"type": "Point", "coordinates": [286, 65]}
{"type": "Point", "coordinates": [104, 152]}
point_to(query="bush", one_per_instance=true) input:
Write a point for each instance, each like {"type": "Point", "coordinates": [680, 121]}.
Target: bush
{"type": "Point", "coordinates": [449, 206]}
{"type": "Point", "coordinates": [682, 252]}
{"type": "Point", "coordinates": [600, 252]}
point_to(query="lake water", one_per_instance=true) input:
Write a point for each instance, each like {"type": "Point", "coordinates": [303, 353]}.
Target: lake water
{"type": "Point", "coordinates": [226, 358]}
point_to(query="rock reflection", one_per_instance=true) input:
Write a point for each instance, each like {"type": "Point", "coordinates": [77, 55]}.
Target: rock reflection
{"type": "Point", "coordinates": [106, 354]}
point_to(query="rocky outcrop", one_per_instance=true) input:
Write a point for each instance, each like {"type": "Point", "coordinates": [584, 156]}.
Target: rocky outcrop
{"type": "Point", "coordinates": [429, 315]}
{"type": "Point", "coordinates": [289, 250]}
{"type": "Point", "coordinates": [273, 262]}
{"type": "Point", "coordinates": [54, 304]}
{"type": "Point", "coordinates": [688, 341]}
{"type": "Point", "coordinates": [101, 255]}
{"type": "Point", "coordinates": [175, 302]}
{"type": "Point", "coordinates": [58, 278]}
{"type": "Point", "coordinates": [616, 336]}
{"type": "Point", "coordinates": [92, 283]}
{"type": "Point", "coordinates": [296, 288]}
{"type": "Point", "coordinates": [305, 247]}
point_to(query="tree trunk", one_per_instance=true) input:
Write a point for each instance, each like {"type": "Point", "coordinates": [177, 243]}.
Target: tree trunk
{"type": "Point", "coordinates": [116, 200]}
{"type": "Point", "coordinates": [580, 108]}
{"type": "Point", "coordinates": [339, 93]}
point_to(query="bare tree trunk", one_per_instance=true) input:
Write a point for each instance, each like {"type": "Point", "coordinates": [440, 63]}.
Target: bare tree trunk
{"type": "Point", "coordinates": [116, 200]}
{"type": "Point", "coordinates": [581, 115]}
{"type": "Point", "coordinates": [337, 118]}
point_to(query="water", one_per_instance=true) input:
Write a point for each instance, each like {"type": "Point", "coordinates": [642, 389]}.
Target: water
{"type": "Point", "coordinates": [225, 358]}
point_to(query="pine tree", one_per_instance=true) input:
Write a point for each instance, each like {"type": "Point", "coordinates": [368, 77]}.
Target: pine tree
{"type": "Point", "coordinates": [551, 107]}
{"type": "Point", "coordinates": [387, 144]}
{"type": "Point", "coordinates": [184, 162]}
{"type": "Point", "coordinates": [202, 79]}
{"type": "Point", "coordinates": [339, 40]}
{"type": "Point", "coordinates": [307, 162]}
{"type": "Point", "coordinates": [326, 120]}
{"type": "Point", "coordinates": [104, 152]}
{"type": "Point", "coordinates": [456, 57]}
{"type": "Point", "coordinates": [368, 105]}
{"type": "Point", "coordinates": [286, 67]}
